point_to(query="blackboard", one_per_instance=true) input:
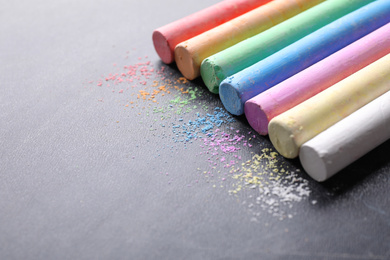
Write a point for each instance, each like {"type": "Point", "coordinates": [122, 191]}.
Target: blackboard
{"type": "Point", "coordinates": [107, 153]}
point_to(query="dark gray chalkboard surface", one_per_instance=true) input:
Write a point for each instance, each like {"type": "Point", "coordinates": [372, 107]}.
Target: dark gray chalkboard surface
{"type": "Point", "coordinates": [96, 165]}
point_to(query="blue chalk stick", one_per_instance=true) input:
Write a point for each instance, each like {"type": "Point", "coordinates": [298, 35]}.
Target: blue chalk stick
{"type": "Point", "coordinates": [235, 90]}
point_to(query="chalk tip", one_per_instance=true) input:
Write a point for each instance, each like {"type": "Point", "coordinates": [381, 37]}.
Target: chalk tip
{"type": "Point", "coordinates": [210, 73]}
{"type": "Point", "coordinates": [185, 63]}
{"type": "Point", "coordinates": [231, 98]}
{"type": "Point", "coordinates": [283, 138]}
{"type": "Point", "coordinates": [256, 117]}
{"type": "Point", "coordinates": [162, 47]}
{"type": "Point", "coordinates": [313, 164]}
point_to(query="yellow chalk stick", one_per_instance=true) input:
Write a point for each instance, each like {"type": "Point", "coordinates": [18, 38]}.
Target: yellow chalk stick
{"type": "Point", "coordinates": [291, 129]}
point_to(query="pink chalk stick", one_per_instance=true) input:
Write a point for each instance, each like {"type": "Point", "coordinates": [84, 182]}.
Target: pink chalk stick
{"type": "Point", "coordinates": [167, 37]}
{"type": "Point", "coordinates": [262, 108]}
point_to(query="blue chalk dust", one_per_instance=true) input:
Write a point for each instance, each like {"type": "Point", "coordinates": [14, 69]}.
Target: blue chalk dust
{"type": "Point", "coordinates": [201, 125]}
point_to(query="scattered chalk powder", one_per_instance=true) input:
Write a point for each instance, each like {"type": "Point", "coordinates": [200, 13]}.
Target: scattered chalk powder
{"type": "Point", "coordinates": [275, 186]}
{"type": "Point", "coordinates": [262, 180]}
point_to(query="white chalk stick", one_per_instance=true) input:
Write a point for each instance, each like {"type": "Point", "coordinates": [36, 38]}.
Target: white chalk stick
{"type": "Point", "coordinates": [348, 140]}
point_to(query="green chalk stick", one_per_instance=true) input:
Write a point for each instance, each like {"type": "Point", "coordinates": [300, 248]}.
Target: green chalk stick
{"type": "Point", "coordinates": [219, 66]}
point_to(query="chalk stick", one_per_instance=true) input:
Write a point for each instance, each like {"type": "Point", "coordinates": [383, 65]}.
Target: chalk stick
{"type": "Point", "coordinates": [168, 36]}
{"type": "Point", "coordinates": [190, 53]}
{"type": "Point", "coordinates": [289, 130]}
{"type": "Point", "coordinates": [323, 74]}
{"type": "Point", "coordinates": [348, 140]}
{"type": "Point", "coordinates": [219, 66]}
{"type": "Point", "coordinates": [235, 90]}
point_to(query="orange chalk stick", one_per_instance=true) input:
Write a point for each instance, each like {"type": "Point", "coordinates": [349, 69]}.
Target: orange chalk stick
{"type": "Point", "coordinates": [190, 53]}
{"type": "Point", "coordinates": [167, 37]}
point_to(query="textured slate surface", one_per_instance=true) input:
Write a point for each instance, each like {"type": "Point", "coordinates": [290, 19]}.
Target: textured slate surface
{"type": "Point", "coordinates": [83, 177]}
